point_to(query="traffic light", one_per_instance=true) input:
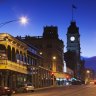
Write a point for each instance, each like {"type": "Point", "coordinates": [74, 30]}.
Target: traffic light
{"type": "Point", "coordinates": [52, 75]}
{"type": "Point", "coordinates": [67, 76]}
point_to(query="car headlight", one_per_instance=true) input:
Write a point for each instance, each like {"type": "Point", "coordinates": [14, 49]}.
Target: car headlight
{"type": "Point", "coordinates": [13, 92]}
{"type": "Point", "coordinates": [5, 87]}
{"type": "Point", "coordinates": [26, 88]}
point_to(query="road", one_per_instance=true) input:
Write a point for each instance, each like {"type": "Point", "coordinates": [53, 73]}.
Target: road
{"type": "Point", "coordinates": [76, 90]}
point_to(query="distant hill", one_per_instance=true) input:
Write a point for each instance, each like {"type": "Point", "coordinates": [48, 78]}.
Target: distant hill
{"type": "Point", "coordinates": [90, 62]}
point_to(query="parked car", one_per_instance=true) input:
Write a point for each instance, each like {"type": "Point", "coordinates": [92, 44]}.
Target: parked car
{"type": "Point", "coordinates": [26, 88]}
{"type": "Point", "coordinates": [95, 82]}
{"type": "Point", "coordinates": [76, 82]}
{"type": "Point", "coordinates": [5, 91]}
{"type": "Point", "coordinates": [91, 82]}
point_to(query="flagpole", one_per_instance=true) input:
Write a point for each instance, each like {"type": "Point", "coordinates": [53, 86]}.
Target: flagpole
{"type": "Point", "coordinates": [72, 13]}
{"type": "Point", "coordinates": [73, 7]}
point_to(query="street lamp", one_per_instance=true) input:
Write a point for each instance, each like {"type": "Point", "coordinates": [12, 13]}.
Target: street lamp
{"type": "Point", "coordinates": [87, 71]}
{"type": "Point", "coordinates": [22, 20]}
{"type": "Point", "coordinates": [54, 69]}
{"type": "Point", "coordinates": [88, 74]}
{"type": "Point", "coordinates": [87, 80]}
{"type": "Point", "coordinates": [40, 53]}
{"type": "Point", "coordinates": [54, 63]}
{"type": "Point", "coordinates": [54, 57]}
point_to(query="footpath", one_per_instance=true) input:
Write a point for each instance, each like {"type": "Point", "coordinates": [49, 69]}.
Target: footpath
{"type": "Point", "coordinates": [44, 88]}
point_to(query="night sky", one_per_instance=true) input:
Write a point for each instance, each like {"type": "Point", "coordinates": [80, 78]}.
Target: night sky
{"type": "Point", "coordinates": [52, 12]}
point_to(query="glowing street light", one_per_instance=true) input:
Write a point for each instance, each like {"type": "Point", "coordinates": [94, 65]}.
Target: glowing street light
{"type": "Point", "coordinates": [40, 53]}
{"type": "Point", "coordinates": [54, 57]}
{"type": "Point", "coordinates": [54, 63]}
{"type": "Point", "coordinates": [23, 20]}
{"type": "Point", "coordinates": [88, 76]}
{"type": "Point", "coordinates": [88, 71]}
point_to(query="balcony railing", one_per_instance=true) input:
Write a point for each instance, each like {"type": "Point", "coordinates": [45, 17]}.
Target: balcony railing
{"type": "Point", "coordinates": [9, 65]}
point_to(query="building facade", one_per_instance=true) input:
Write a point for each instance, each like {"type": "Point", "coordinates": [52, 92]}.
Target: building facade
{"type": "Point", "coordinates": [21, 63]}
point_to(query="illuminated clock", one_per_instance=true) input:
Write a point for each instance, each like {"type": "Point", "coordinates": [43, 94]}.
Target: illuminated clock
{"type": "Point", "coordinates": [72, 38]}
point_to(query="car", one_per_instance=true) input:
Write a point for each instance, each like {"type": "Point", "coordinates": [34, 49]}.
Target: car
{"type": "Point", "coordinates": [91, 82]}
{"type": "Point", "coordinates": [5, 91]}
{"type": "Point", "coordinates": [76, 82]}
{"type": "Point", "coordinates": [26, 88]}
{"type": "Point", "coordinates": [95, 82]}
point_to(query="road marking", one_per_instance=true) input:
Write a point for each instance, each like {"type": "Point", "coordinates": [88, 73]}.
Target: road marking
{"type": "Point", "coordinates": [91, 86]}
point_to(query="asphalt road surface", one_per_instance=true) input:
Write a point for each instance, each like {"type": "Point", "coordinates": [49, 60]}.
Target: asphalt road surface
{"type": "Point", "coordinates": [76, 90]}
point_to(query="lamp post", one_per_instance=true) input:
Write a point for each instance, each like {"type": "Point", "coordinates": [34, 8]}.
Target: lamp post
{"type": "Point", "coordinates": [54, 69]}
{"type": "Point", "coordinates": [40, 53]}
{"type": "Point", "coordinates": [54, 64]}
{"type": "Point", "coordinates": [22, 20]}
{"type": "Point", "coordinates": [87, 71]}
{"type": "Point", "coordinates": [87, 76]}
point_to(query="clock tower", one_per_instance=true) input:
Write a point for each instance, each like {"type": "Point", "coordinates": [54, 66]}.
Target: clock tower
{"type": "Point", "coordinates": [73, 47]}
{"type": "Point", "coordinates": [73, 38]}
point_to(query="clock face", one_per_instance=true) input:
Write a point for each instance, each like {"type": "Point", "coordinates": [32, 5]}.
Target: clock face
{"type": "Point", "coordinates": [72, 38]}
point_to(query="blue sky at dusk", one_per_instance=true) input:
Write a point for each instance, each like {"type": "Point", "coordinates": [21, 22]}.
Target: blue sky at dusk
{"type": "Point", "coordinates": [52, 12]}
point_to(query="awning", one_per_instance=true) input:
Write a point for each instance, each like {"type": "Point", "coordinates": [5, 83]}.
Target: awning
{"type": "Point", "coordinates": [61, 75]}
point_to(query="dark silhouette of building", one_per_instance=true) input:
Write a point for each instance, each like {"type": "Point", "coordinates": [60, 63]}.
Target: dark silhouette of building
{"type": "Point", "coordinates": [82, 69]}
{"type": "Point", "coordinates": [49, 45]}
{"type": "Point", "coordinates": [52, 50]}
{"type": "Point", "coordinates": [70, 59]}
{"type": "Point", "coordinates": [50, 32]}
